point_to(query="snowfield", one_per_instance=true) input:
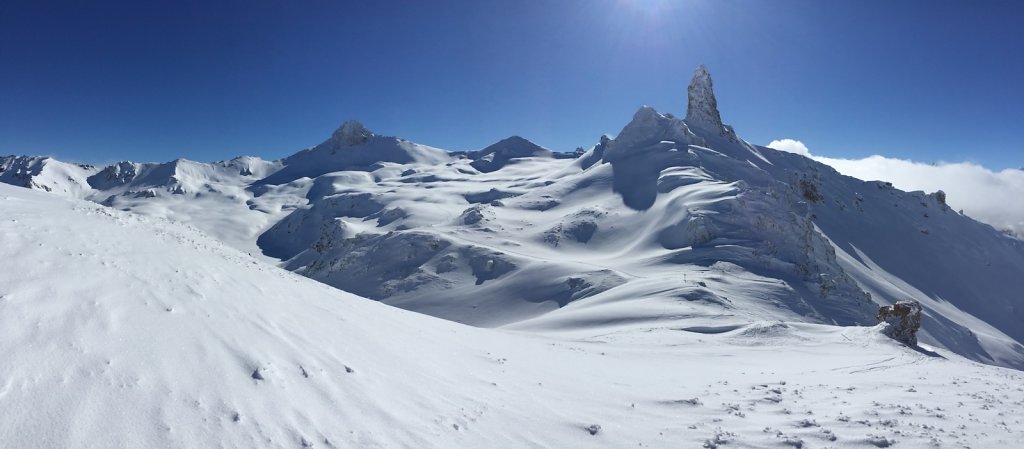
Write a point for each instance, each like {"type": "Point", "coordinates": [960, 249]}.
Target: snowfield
{"type": "Point", "coordinates": [119, 330]}
{"type": "Point", "coordinates": [673, 286]}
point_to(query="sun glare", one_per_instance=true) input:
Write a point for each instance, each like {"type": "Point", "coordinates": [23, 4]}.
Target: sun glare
{"type": "Point", "coordinates": [651, 7]}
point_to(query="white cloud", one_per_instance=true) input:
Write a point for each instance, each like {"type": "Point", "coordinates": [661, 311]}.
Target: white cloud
{"type": "Point", "coordinates": [791, 146]}
{"type": "Point", "coordinates": [992, 197]}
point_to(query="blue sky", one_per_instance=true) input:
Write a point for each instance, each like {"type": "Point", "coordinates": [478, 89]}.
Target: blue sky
{"type": "Point", "coordinates": [105, 81]}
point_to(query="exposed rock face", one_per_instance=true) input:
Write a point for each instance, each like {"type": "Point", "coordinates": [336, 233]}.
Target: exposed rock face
{"type": "Point", "coordinates": [598, 154]}
{"type": "Point", "coordinates": [351, 133]}
{"type": "Point", "coordinates": [117, 174]}
{"type": "Point", "coordinates": [19, 170]}
{"type": "Point", "coordinates": [702, 107]}
{"type": "Point", "coordinates": [904, 319]}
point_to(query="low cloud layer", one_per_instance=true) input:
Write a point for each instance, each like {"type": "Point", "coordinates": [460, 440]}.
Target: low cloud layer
{"type": "Point", "coordinates": [996, 198]}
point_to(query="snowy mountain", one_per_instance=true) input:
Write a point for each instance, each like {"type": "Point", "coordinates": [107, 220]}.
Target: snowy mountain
{"type": "Point", "coordinates": [498, 155]}
{"type": "Point", "coordinates": [45, 173]}
{"type": "Point", "coordinates": [673, 223]}
{"type": "Point", "coordinates": [353, 148]}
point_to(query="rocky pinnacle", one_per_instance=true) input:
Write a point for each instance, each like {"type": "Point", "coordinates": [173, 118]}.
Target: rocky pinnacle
{"type": "Point", "coordinates": [702, 108]}
{"type": "Point", "coordinates": [351, 133]}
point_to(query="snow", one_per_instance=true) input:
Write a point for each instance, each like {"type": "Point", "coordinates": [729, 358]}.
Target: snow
{"type": "Point", "coordinates": [504, 152]}
{"type": "Point", "coordinates": [669, 222]}
{"type": "Point", "coordinates": [655, 291]}
{"type": "Point", "coordinates": [970, 295]}
{"type": "Point", "coordinates": [353, 147]}
{"type": "Point", "coordinates": [167, 338]}
{"type": "Point", "coordinates": [45, 173]}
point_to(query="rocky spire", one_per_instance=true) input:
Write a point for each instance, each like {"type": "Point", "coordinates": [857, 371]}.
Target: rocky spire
{"type": "Point", "coordinates": [702, 108]}
{"type": "Point", "coordinates": [351, 133]}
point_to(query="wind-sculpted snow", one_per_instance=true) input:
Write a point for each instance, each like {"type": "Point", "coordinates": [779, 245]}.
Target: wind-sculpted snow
{"type": "Point", "coordinates": [672, 223]}
{"type": "Point", "coordinates": [119, 330]}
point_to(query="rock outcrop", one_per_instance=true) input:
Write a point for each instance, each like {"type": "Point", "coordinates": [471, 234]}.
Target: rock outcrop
{"type": "Point", "coordinates": [904, 319]}
{"type": "Point", "coordinates": [701, 106]}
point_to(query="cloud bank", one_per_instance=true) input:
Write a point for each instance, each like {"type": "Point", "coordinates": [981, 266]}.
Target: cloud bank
{"type": "Point", "coordinates": [791, 146]}
{"type": "Point", "coordinates": [996, 198]}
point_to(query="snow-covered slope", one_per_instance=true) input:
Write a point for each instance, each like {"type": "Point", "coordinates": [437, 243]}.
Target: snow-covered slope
{"type": "Point", "coordinates": [214, 197]}
{"type": "Point", "coordinates": [672, 223]}
{"type": "Point", "coordinates": [900, 245]}
{"type": "Point", "coordinates": [120, 330]}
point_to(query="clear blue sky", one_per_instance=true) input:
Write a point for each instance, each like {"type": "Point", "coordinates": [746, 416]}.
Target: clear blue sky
{"type": "Point", "coordinates": [207, 80]}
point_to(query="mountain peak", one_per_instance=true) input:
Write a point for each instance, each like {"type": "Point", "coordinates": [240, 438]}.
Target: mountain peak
{"type": "Point", "coordinates": [515, 143]}
{"type": "Point", "coordinates": [351, 133]}
{"type": "Point", "coordinates": [702, 107]}
{"type": "Point", "coordinates": [650, 126]}
{"type": "Point", "coordinates": [515, 139]}
{"type": "Point", "coordinates": [645, 113]}
{"type": "Point", "coordinates": [498, 154]}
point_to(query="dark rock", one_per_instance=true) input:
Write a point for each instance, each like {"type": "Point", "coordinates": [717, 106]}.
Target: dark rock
{"type": "Point", "coordinates": [904, 319]}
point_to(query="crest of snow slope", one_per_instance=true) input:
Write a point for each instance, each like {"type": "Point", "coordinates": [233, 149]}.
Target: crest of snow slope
{"type": "Point", "coordinates": [118, 330]}
{"type": "Point", "coordinates": [992, 197]}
